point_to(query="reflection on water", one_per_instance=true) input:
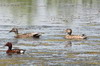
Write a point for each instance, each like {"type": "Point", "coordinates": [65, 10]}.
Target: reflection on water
{"type": "Point", "coordinates": [51, 17]}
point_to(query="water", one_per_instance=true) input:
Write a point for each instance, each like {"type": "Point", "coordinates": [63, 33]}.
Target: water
{"type": "Point", "coordinates": [51, 17]}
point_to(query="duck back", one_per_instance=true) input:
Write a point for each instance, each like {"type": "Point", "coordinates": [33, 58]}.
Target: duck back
{"type": "Point", "coordinates": [27, 35]}
{"type": "Point", "coordinates": [75, 37]}
{"type": "Point", "coordinates": [16, 51]}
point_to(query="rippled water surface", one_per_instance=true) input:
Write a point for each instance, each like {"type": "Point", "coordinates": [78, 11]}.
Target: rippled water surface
{"type": "Point", "coordinates": [51, 18]}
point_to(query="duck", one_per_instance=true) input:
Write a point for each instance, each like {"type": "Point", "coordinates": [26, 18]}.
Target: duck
{"type": "Point", "coordinates": [13, 51]}
{"type": "Point", "coordinates": [70, 36]}
{"type": "Point", "coordinates": [26, 35]}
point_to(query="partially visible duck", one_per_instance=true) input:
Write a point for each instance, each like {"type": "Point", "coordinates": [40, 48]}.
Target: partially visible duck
{"type": "Point", "coordinates": [15, 51]}
{"type": "Point", "coordinates": [15, 30]}
{"type": "Point", "coordinates": [70, 36]}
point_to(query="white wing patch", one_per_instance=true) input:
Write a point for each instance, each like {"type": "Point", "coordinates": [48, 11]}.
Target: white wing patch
{"type": "Point", "coordinates": [21, 51]}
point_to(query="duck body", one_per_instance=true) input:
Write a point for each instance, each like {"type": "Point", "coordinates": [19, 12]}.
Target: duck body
{"type": "Point", "coordinates": [75, 37]}
{"type": "Point", "coordinates": [70, 36]}
{"type": "Point", "coordinates": [26, 35]}
{"type": "Point", "coordinates": [13, 51]}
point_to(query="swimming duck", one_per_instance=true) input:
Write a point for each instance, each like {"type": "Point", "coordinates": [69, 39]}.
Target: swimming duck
{"type": "Point", "coordinates": [15, 51]}
{"type": "Point", "coordinates": [15, 30]}
{"type": "Point", "coordinates": [70, 36]}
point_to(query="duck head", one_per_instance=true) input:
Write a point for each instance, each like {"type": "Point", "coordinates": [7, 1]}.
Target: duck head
{"type": "Point", "coordinates": [9, 44]}
{"type": "Point", "coordinates": [14, 30]}
{"type": "Point", "coordinates": [69, 31]}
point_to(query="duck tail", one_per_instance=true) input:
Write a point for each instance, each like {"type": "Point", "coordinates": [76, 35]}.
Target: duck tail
{"type": "Point", "coordinates": [36, 35]}
{"type": "Point", "coordinates": [83, 35]}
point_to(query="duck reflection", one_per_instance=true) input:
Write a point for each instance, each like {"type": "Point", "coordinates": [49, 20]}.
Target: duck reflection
{"type": "Point", "coordinates": [68, 44]}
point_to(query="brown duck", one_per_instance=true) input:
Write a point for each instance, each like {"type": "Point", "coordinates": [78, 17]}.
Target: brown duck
{"type": "Point", "coordinates": [26, 35]}
{"type": "Point", "coordinates": [70, 36]}
{"type": "Point", "coordinates": [13, 51]}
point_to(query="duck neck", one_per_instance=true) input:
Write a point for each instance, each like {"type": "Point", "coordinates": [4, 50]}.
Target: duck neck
{"type": "Point", "coordinates": [70, 33]}
{"type": "Point", "coordinates": [16, 32]}
{"type": "Point", "coordinates": [10, 48]}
